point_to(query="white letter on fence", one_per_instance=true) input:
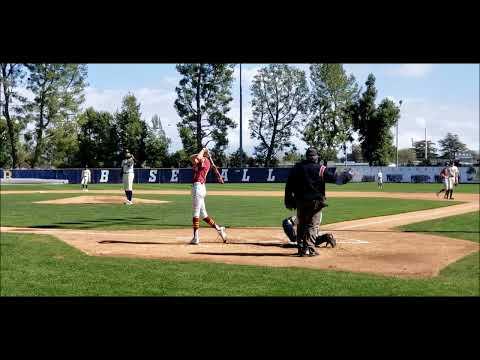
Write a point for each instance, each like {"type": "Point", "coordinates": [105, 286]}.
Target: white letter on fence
{"type": "Point", "coordinates": [270, 177]}
{"type": "Point", "coordinates": [225, 175]}
{"type": "Point", "coordinates": [174, 177]}
{"type": "Point", "coordinates": [153, 176]}
{"type": "Point", "coordinates": [245, 177]}
{"type": "Point", "coordinates": [104, 176]}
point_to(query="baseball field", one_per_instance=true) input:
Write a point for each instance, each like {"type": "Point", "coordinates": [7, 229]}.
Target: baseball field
{"type": "Point", "coordinates": [57, 241]}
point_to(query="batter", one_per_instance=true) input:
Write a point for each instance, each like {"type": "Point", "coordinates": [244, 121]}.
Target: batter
{"type": "Point", "coordinates": [127, 176]}
{"type": "Point", "coordinates": [201, 165]}
{"type": "Point", "coordinates": [86, 178]}
{"type": "Point", "coordinates": [444, 176]}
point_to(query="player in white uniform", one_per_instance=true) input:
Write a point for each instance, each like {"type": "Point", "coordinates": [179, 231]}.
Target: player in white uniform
{"type": "Point", "coordinates": [380, 179]}
{"type": "Point", "coordinates": [127, 176]}
{"type": "Point", "coordinates": [86, 178]}
{"type": "Point", "coordinates": [452, 177]}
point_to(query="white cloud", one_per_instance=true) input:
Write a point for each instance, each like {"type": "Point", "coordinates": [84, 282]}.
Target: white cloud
{"type": "Point", "coordinates": [420, 122]}
{"type": "Point", "coordinates": [411, 70]}
{"type": "Point", "coordinates": [439, 119]}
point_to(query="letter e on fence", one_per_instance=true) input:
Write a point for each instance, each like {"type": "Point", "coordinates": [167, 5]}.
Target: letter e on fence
{"type": "Point", "coordinates": [174, 177]}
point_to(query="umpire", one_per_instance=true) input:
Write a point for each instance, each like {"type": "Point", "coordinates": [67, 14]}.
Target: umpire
{"type": "Point", "coordinates": [305, 191]}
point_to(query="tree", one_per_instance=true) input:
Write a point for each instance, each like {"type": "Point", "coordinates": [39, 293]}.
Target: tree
{"type": "Point", "coordinates": [419, 149]}
{"type": "Point", "coordinates": [279, 106]}
{"type": "Point", "coordinates": [130, 129]}
{"type": "Point", "coordinates": [188, 138]}
{"type": "Point", "coordinates": [178, 159]}
{"type": "Point", "coordinates": [406, 156]}
{"type": "Point", "coordinates": [293, 155]}
{"type": "Point", "coordinates": [451, 146]}
{"type": "Point", "coordinates": [98, 144]}
{"type": "Point", "coordinates": [356, 154]}
{"type": "Point", "coordinates": [203, 99]}
{"type": "Point", "coordinates": [156, 144]}
{"type": "Point", "coordinates": [234, 158]}
{"type": "Point", "coordinates": [219, 157]}
{"type": "Point", "coordinates": [61, 144]}
{"type": "Point", "coordinates": [475, 155]}
{"type": "Point", "coordinates": [10, 77]}
{"type": "Point", "coordinates": [4, 153]}
{"type": "Point", "coordinates": [331, 97]}
{"type": "Point", "coordinates": [373, 124]}
{"type": "Point", "coordinates": [58, 93]}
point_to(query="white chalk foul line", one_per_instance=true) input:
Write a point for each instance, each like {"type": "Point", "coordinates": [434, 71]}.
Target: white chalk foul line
{"type": "Point", "coordinates": [414, 216]}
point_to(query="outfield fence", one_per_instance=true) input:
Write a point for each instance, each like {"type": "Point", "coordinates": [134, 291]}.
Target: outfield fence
{"type": "Point", "coordinates": [235, 175]}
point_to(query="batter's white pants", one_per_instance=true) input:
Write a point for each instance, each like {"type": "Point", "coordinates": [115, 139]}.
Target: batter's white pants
{"type": "Point", "coordinates": [84, 181]}
{"type": "Point", "coordinates": [128, 181]}
{"type": "Point", "coordinates": [199, 192]}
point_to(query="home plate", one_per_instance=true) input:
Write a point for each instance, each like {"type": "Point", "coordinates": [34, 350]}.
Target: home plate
{"type": "Point", "coordinates": [352, 241]}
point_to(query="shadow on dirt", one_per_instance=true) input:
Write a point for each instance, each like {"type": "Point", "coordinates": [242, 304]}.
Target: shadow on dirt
{"type": "Point", "coordinates": [136, 242]}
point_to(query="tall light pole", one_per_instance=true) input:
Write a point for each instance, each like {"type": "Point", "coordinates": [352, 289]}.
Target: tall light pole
{"type": "Point", "coordinates": [426, 145]}
{"type": "Point", "coordinates": [241, 134]}
{"type": "Point", "coordinates": [400, 102]}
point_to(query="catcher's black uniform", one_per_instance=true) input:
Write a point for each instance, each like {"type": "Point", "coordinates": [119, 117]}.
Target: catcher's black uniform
{"type": "Point", "coordinates": [305, 191]}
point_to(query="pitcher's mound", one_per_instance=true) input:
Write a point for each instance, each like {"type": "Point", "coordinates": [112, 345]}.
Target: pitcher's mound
{"type": "Point", "coordinates": [99, 199]}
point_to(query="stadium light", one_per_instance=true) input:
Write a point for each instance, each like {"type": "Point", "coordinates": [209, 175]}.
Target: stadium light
{"type": "Point", "coordinates": [400, 102]}
{"type": "Point", "coordinates": [241, 145]}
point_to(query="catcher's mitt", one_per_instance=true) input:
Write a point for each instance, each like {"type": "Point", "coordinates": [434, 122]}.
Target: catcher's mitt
{"type": "Point", "coordinates": [289, 229]}
{"type": "Point", "coordinates": [326, 238]}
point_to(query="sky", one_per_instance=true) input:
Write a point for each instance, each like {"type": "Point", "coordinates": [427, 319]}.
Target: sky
{"type": "Point", "coordinates": [441, 97]}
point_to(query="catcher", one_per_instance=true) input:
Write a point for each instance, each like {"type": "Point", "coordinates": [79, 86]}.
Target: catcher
{"type": "Point", "coordinates": [201, 164]}
{"type": "Point", "coordinates": [290, 228]}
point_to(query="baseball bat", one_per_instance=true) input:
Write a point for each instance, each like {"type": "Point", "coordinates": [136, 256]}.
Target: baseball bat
{"type": "Point", "coordinates": [217, 173]}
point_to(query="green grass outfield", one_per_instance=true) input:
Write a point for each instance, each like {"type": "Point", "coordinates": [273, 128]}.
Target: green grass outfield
{"type": "Point", "coordinates": [43, 266]}
{"type": "Point", "coordinates": [465, 226]}
{"type": "Point", "coordinates": [388, 187]}
{"type": "Point", "coordinates": [19, 210]}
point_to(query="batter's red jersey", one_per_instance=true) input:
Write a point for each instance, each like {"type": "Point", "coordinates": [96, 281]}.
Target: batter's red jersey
{"type": "Point", "coordinates": [444, 173]}
{"type": "Point", "coordinates": [200, 171]}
